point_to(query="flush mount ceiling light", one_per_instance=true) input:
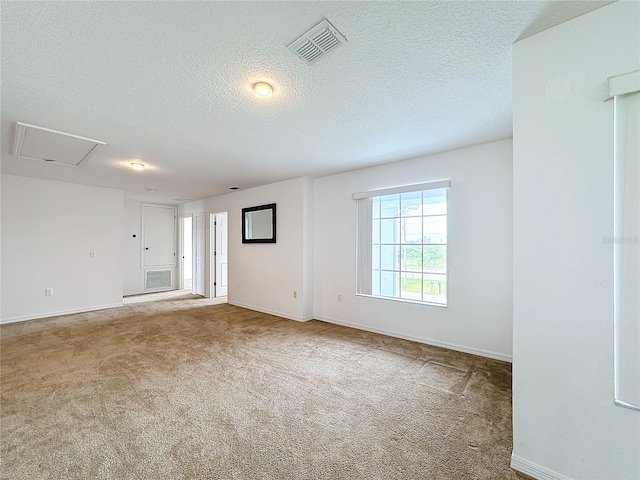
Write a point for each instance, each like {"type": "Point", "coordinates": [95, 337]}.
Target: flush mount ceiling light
{"type": "Point", "coordinates": [137, 166]}
{"type": "Point", "coordinates": [262, 89]}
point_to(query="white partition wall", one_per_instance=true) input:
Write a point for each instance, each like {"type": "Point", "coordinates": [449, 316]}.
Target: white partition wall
{"type": "Point", "coordinates": [565, 422]}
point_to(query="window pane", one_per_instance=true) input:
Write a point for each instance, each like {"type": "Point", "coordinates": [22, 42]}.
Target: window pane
{"type": "Point", "coordinates": [434, 288]}
{"type": "Point", "coordinates": [375, 207]}
{"type": "Point", "coordinates": [435, 229]}
{"type": "Point", "coordinates": [411, 258]}
{"type": "Point", "coordinates": [375, 231]}
{"type": "Point", "coordinates": [375, 257]}
{"type": "Point", "coordinates": [389, 284]}
{"type": "Point", "coordinates": [389, 257]}
{"type": "Point", "coordinates": [408, 246]}
{"type": "Point", "coordinates": [375, 282]}
{"type": "Point", "coordinates": [411, 204]}
{"type": "Point", "coordinates": [410, 286]}
{"type": "Point", "coordinates": [434, 258]}
{"type": "Point", "coordinates": [411, 229]}
{"type": "Point", "coordinates": [390, 230]}
{"type": "Point", "coordinates": [435, 201]}
{"type": "Point", "coordinates": [390, 206]}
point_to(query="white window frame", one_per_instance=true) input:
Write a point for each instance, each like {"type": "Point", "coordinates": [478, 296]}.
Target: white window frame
{"type": "Point", "coordinates": [364, 242]}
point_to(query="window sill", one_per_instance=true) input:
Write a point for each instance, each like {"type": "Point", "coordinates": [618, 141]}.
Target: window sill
{"type": "Point", "coordinates": [403, 300]}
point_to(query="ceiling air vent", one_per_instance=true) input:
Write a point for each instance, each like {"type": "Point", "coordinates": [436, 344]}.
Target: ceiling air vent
{"type": "Point", "coordinates": [317, 42]}
{"type": "Point", "coordinates": [39, 143]}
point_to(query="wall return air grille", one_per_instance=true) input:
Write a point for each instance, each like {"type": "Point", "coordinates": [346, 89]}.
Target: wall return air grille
{"type": "Point", "coordinates": [39, 143]}
{"type": "Point", "coordinates": [158, 279]}
{"type": "Point", "coordinates": [317, 42]}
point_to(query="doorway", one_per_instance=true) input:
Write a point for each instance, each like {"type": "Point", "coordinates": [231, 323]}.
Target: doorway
{"type": "Point", "coordinates": [200, 241]}
{"type": "Point", "coordinates": [219, 247]}
{"type": "Point", "coordinates": [196, 267]}
{"type": "Point", "coordinates": [186, 253]}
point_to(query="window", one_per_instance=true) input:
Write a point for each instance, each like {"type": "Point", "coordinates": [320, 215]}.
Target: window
{"type": "Point", "coordinates": [402, 243]}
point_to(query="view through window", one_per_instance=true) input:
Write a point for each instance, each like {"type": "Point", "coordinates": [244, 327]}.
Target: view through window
{"type": "Point", "coordinates": [405, 234]}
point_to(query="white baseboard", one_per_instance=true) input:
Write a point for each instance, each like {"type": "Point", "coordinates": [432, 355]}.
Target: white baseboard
{"type": "Point", "coordinates": [534, 470]}
{"type": "Point", "coordinates": [216, 300]}
{"type": "Point", "coordinates": [24, 318]}
{"type": "Point", "coordinates": [428, 341]}
{"type": "Point", "coordinates": [270, 312]}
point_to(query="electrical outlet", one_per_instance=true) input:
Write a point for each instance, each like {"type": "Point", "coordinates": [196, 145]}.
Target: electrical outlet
{"type": "Point", "coordinates": [48, 292]}
{"type": "Point", "coordinates": [339, 297]}
{"type": "Point", "coordinates": [92, 254]}
{"type": "Point", "coordinates": [237, 285]}
{"type": "Point", "coordinates": [295, 294]}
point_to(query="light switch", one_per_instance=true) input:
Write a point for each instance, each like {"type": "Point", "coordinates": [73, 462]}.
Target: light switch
{"type": "Point", "coordinates": [92, 254]}
{"type": "Point", "coordinates": [48, 292]}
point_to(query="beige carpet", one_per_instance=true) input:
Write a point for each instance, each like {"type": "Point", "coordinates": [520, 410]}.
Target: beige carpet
{"type": "Point", "coordinates": [182, 389]}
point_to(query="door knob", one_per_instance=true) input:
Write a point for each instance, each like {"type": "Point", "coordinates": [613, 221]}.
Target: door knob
{"type": "Point", "coordinates": [146, 248]}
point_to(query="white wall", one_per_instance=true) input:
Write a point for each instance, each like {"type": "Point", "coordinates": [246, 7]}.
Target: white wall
{"type": "Point", "coordinates": [565, 422]}
{"type": "Point", "coordinates": [48, 231]}
{"type": "Point", "coordinates": [307, 253]}
{"type": "Point", "coordinates": [264, 276]}
{"type": "Point", "coordinates": [478, 318]}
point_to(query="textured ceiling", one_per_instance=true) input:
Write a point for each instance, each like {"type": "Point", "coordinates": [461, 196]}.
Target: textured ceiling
{"type": "Point", "coordinates": [169, 84]}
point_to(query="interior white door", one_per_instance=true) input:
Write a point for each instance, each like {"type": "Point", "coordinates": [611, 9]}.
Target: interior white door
{"type": "Point", "coordinates": [221, 254]}
{"type": "Point", "coordinates": [200, 255]}
{"type": "Point", "coordinates": [159, 236]}
{"type": "Point", "coordinates": [186, 252]}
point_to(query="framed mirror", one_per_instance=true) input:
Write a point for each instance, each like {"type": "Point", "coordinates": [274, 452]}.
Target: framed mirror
{"type": "Point", "coordinates": [259, 224]}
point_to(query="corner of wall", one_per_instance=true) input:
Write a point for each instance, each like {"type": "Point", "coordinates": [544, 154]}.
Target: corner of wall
{"type": "Point", "coordinates": [307, 260]}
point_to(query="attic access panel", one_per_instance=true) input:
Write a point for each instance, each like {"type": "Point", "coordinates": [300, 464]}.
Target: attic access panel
{"type": "Point", "coordinates": [39, 143]}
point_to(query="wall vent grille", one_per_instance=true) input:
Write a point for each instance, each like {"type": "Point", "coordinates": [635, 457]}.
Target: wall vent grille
{"type": "Point", "coordinates": [317, 42]}
{"type": "Point", "coordinates": [158, 279]}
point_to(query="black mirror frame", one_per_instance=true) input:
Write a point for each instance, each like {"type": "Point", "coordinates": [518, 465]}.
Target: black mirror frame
{"type": "Point", "coordinates": [268, 206]}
